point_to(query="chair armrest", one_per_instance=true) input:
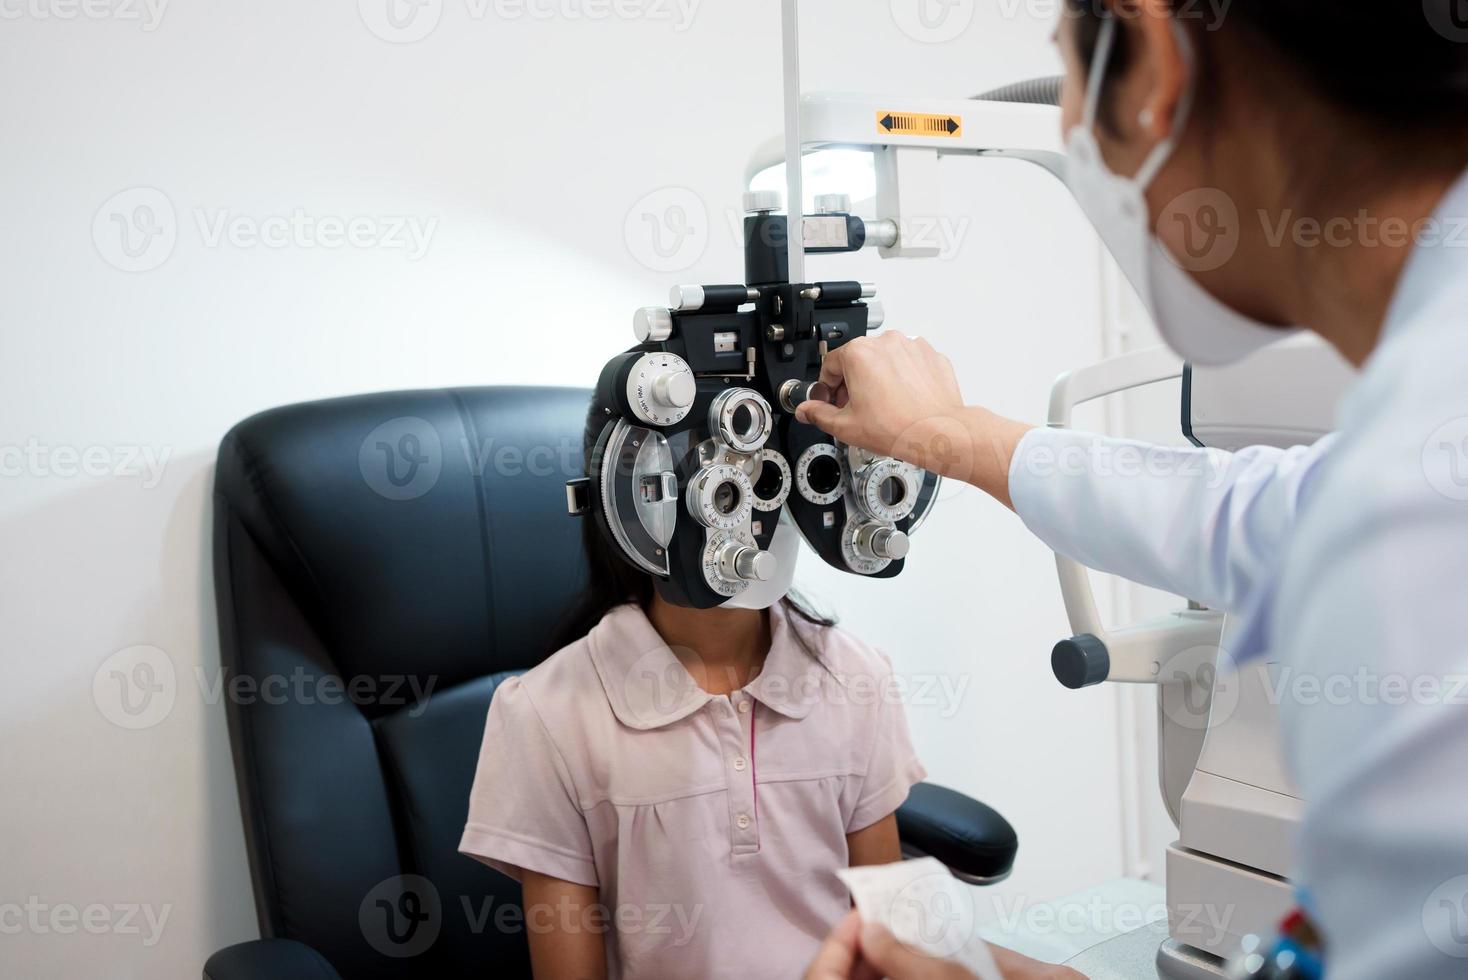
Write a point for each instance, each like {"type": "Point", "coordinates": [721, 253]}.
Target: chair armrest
{"type": "Point", "coordinates": [971, 839]}
{"type": "Point", "coordinates": [269, 959]}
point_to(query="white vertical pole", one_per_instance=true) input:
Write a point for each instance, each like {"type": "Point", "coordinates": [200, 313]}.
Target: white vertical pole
{"type": "Point", "coordinates": [794, 194]}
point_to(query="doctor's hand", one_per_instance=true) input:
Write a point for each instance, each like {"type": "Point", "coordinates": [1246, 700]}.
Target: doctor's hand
{"type": "Point", "coordinates": [856, 952]}
{"type": "Point", "coordinates": [896, 396]}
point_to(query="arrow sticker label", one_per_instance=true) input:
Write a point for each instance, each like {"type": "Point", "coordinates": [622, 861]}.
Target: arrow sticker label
{"type": "Point", "coordinates": [919, 124]}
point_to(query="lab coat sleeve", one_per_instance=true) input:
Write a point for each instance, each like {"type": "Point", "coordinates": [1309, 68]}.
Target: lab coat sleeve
{"type": "Point", "coordinates": [1201, 523]}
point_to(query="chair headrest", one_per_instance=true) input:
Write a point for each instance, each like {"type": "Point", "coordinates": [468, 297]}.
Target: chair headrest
{"type": "Point", "coordinates": [420, 532]}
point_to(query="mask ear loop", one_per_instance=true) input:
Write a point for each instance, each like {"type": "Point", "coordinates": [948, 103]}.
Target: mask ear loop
{"type": "Point", "coordinates": [1163, 150]}
{"type": "Point", "coordinates": [1105, 41]}
{"type": "Point", "coordinates": [1158, 157]}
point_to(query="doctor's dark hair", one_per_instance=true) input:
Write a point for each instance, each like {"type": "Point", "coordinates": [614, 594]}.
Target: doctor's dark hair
{"type": "Point", "coordinates": [1394, 73]}
{"type": "Point", "coordinates": [613, 581]}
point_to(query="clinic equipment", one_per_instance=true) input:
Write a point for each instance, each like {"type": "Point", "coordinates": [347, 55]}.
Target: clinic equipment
{"type": "Point", "coordinates": [1223, 784]}
{"type": "Point", "coordinates": [700, 451]}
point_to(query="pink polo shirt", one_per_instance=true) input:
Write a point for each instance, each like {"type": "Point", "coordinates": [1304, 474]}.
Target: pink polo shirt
{"type": "Point", "coordinates": [712, 825]}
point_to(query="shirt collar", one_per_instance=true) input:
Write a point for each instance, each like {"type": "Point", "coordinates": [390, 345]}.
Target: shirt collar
{"type": "Point", "coordinates": [648, 687]}
{"type": "Point", "coordinates": [1434, 269]}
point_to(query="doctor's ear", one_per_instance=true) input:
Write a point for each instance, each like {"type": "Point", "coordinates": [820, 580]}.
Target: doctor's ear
{"type": "Point", "coordinates": [1156, 40]}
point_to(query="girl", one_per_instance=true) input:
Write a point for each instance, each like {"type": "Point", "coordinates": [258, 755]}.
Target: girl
{"type": "Point", "coordinates": [675, 788]}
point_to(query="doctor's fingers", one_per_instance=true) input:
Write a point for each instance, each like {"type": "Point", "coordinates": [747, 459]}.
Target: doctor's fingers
{"type": "Point", "coordinates": [837, 958]}
{"type": "Point", "coordinates": [897, 962]}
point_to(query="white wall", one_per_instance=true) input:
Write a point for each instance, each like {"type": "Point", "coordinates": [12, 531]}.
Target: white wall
{"type": "Point", "coordinates": [529, 146]}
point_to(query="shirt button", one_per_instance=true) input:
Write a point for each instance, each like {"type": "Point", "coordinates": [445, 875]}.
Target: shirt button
{"type": "Point", "coordinates": [744, 705]}
{"type": "Point", "coordinates": [739, 764]}
{"type": "Point", "coordinates": [742, 821]}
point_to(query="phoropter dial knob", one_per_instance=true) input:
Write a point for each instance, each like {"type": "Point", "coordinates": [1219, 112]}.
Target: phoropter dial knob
{"type": "Point", "coordinates": [660, 388]}
{"type": "Point", "coordinates": [881, 543]}
{"type": "Point", "coordinates": [742, 563]}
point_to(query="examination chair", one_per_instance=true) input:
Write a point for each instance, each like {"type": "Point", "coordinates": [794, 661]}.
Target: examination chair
{"type": "Point", "coordinates": [382, 563]}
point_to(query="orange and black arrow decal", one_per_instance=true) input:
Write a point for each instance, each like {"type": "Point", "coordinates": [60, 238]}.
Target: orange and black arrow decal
{"type": "Point", "coordinates": [919, 124]}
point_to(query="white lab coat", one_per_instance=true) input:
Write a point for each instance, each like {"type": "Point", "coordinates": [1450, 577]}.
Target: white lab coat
{"type": "Point", "coordinates": [1348, 563]}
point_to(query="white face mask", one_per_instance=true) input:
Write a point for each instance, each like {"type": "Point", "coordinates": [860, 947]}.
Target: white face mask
{"type": "Point", "coordinates": [785, 546]}
{"type": "Point", "coordinates": [1192, 322]}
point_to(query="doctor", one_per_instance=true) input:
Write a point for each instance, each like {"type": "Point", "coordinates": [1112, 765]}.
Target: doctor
{"type": "Point", "coordinates": [1322, 146]}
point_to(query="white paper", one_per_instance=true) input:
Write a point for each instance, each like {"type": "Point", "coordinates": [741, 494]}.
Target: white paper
{"type": "Point", "coordinates": [926, 908]}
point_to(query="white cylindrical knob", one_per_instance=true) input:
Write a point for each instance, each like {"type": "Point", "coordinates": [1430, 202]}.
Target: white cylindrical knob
{"type": "Point", "coordinates": [674, 389]}
{"type": "Point", "coordinates": [686, 299]}
{"type": "Point", "coordinates": [748, 564]}
{"type": "Point", "coordinates": [652, 324]}
{"type": "Point", "coordinates": [833, 203]}
{"type": "Point", "coordinates": [882, 542]}
{"type": "Point", "coordinates": [757, 201]}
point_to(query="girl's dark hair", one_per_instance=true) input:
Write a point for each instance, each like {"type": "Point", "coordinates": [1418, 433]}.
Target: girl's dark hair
{"type": "Point", "coordinates": [613, 581]}
{"type": "Point", "coordinates": [1397, 68]}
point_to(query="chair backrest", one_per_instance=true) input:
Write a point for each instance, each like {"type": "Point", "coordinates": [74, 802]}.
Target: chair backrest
{"type": "Point", "coordinates": [381, 564]}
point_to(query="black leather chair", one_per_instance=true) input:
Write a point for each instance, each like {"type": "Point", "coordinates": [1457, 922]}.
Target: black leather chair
{"type": "Point", "coordinates": [369, 551]}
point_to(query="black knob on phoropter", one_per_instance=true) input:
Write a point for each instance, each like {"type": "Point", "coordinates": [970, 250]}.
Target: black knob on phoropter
{"type": "Point", "coordinates": [793, 392]}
